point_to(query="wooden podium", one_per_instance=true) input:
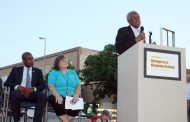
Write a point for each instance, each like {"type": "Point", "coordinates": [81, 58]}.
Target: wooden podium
{"type": "Point", "coordinates": [152, 84]}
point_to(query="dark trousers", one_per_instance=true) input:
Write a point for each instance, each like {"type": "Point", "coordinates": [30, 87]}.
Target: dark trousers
{"type": "Point", "coordinates": [39, 98]}
{"type": "Point", "coordinates": [60, 108]}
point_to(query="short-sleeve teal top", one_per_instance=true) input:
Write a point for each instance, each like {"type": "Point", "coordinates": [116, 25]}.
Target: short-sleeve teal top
{"type": "Point", "coordinates": [65, 84]}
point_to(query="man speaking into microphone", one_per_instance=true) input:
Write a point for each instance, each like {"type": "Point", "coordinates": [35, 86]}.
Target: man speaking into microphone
{"type": "Point", "coordinates": [130, 35]}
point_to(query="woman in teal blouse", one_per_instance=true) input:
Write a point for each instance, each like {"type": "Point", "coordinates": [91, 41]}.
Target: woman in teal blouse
{"type": "Point", "coordinates": [63, 82]}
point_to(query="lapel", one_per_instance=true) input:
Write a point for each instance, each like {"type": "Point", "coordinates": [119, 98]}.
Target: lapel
{"type": "Point", "coordinates": [33, 74]}
{"type": "Point", "coordinates": [131, 32]}
{"type": "Point", "coordinates": [20, 74]}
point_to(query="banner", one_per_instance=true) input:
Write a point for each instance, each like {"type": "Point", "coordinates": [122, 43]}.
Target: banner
{"type": "Point", "coordinates": [162, 64]}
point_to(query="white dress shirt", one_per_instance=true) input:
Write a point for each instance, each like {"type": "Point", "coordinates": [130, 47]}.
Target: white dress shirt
{"type": "Point", "coordinates": [136, 32]}
{"type": "Point", "coordinates": [23, 83]}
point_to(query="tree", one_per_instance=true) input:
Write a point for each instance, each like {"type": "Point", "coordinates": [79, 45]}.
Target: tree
{"type": "Point", "coordinates": [101, 69]}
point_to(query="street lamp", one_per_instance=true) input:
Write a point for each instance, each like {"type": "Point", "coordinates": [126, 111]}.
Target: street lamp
{"type": "Point", "coordinates": [44, 38]}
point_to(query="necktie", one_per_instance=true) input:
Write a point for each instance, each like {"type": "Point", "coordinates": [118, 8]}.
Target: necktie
{"type": "Point", "coordinates": [28, 83]}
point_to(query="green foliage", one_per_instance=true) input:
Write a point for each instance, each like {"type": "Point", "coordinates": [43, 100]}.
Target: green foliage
{"type": "Point", "coordinates": [71, 66]}
{"type": "Point", "coordinates": [101, 69]}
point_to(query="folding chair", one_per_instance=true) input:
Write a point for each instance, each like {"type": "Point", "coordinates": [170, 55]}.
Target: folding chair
{"type": "Point", "coordinates": [25, 105]}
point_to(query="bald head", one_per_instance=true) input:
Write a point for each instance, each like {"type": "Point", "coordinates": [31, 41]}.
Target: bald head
{"type": "Point", "coordinates": [133, 19]}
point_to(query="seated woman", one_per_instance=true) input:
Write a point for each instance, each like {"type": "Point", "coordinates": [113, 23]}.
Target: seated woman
{"type": "Point", "coordinates": [63, 82]}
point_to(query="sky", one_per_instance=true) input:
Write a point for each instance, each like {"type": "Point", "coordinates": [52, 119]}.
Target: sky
{"type": "Point", "coordinates": [87, 23]}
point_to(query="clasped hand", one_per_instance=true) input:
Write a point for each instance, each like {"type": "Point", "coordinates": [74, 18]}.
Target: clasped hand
{"type": "Point", "coordinates": [25, 91]}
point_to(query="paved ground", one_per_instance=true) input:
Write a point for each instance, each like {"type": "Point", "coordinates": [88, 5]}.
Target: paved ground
{"type": "Point", "coordinates": [53, 118]}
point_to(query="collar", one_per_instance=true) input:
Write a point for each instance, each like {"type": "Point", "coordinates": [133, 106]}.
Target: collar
{"type": "Point", "coordinates": [25, 68]}
{"type": "Point", "coordinates": [135, 29]}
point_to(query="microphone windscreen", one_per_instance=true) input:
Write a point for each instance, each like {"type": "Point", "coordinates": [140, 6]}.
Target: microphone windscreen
{"type": "Point", "coordinates": [142, 29]}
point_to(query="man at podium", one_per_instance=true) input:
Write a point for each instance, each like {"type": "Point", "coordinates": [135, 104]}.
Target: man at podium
{"type": "Point", "coordinates": [130, 35]}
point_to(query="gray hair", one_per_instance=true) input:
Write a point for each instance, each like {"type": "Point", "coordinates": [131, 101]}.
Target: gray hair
{"type": "Point", "coordinates": [129, 15]}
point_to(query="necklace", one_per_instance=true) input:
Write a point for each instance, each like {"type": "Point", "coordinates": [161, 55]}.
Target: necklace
{"type": "Point", "coordinates": [65, 77]}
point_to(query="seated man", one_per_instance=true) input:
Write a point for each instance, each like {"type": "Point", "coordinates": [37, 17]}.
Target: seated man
{"type": "Point", "coordinates": [26, 83]}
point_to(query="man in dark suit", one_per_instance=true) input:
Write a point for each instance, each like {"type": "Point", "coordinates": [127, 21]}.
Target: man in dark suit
{"type": "Point", "coordinates": [130, 35]}
{"type": "Point", "coordinates": [27, 84]}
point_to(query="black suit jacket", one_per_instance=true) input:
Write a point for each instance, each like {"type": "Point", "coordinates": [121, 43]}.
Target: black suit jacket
{"type": "Point", "coordinates": [125, 39]}
{"type": "Point", "coordinates": [15, 78]}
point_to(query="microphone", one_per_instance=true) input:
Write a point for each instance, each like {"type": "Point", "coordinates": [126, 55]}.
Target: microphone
{"type": "Point", "coordinates": [142, 30]}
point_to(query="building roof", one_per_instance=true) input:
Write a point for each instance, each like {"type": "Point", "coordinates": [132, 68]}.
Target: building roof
{"type": "Point", "coordinates": [48, 56]}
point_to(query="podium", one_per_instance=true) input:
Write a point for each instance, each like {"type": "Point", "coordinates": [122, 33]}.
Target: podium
{"type": "Point", "coordinates": [152, 84]}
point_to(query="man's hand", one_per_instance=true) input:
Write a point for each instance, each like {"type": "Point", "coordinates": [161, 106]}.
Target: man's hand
{"type": "Point", "coordinates": [30, 90]}
{"type": "Point", "coordinates": [25, 91]}
{"type": "Point", "coordinates": [140, 37]}
{"type": "Point", "coordinates": [21, 88]}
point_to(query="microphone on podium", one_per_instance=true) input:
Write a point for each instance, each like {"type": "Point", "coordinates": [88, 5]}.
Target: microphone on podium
{"type": "Point", "coordinates": [142, 30]}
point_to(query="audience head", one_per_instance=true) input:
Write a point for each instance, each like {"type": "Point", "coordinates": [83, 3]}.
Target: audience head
{"type": "Point", "coordinates": [105, 115]}
{"type": "Point", "coordinates": [61, 63]}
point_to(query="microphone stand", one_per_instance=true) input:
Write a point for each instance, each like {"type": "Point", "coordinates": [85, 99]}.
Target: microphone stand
{"type": "Point", "coordinates": [150, 39]}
